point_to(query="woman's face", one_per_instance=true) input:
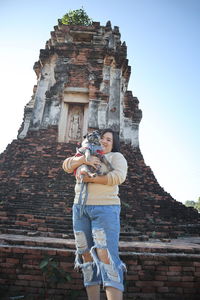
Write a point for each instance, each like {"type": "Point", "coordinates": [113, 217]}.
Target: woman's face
{"type": "Point", "coordinates": [106, 142]}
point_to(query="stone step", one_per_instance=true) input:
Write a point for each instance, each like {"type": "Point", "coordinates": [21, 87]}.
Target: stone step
{"type": "Point", "coordinates": [131, 238]}
{"type": "Point", "coordinates": [177, 246]}
{"type": "Point", "coordinates": [44, 230]}
{"type": "Point", "coordinates": [163, 225]}
{"type": "Point", "coordinates": [65, 234]}
{"type": "Point", "coordinates": [16, 231]}
{"type": "Point", "coordinates": [60, 221]}
{"type": "Point", "coordinates": [61, 224]}
{"type": "Point", "coordinates": [13, 212]}
{"type": "Point", "coordinates": [60, 232]}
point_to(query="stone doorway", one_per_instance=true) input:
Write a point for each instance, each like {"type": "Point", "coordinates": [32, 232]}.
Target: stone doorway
{"type": "Point", "coordinates": [73, 123]}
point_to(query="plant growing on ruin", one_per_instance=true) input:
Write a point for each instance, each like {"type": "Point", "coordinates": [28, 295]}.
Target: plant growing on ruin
{"type": "Point", "coordinates": [76, 17]}
{"type": "Point", "coordinates": [53, 274]}
{"type": "Point", "coordinates": [191, 203]}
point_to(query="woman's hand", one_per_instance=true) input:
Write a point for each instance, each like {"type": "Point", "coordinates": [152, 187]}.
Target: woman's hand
{"type": "Point", "coordinates": [88, 179]}
{"type": "Point", "coordinates": [94, 162]}
{"type": "Point", "coordinates": [98, 179]}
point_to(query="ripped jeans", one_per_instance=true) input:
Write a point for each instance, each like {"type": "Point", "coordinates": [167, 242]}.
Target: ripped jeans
{"type": "Point", "coordinates": [98, 227]}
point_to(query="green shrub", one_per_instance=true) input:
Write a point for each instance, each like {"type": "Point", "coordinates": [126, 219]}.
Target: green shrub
{"type": "Point", "coordinates": [76, 17]}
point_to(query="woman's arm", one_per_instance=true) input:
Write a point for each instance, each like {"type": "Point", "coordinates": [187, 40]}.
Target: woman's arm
{"type": "Point", "coordinates": [71, 163]}
{"type": "Point", "coordinates": [114, 177]}
{"type": "Point", "coordinates": [119, 164]}
{"type": "Point", "coordinates": [98, 179]}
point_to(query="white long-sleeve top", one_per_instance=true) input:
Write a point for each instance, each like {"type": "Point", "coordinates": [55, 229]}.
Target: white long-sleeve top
{"type": "Point", "coordinates": [101, 194]}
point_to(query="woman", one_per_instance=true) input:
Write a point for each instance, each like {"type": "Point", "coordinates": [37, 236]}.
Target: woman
{"type": "Point", "coordinates": [97, 229]}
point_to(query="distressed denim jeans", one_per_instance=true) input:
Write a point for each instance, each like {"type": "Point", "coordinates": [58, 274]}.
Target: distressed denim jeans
{"type": "Point", "coordinates": [98, 227]}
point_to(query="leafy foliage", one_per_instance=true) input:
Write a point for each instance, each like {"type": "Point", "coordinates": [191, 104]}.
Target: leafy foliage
{"type": "Point", "coordinates": [197, 205]}
{"type": "Point", "coordinates": [191, 203]}
{"type": "Point", "coordinates": [52, 272]}
{"type": "Point", "coordinates": [76, 17]}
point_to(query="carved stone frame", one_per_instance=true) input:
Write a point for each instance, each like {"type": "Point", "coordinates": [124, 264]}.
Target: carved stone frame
{"type": "Point", "coordinates": [73, 95]}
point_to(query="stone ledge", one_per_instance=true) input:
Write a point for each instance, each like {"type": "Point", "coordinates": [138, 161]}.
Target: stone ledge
{"type": "Point", "coordinates": [76, 90]}
{"type": "Point", "coordinates": [182, 246]}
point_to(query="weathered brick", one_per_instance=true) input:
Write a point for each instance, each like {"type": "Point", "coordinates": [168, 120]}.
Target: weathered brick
{"type": "Point", "coordinates": [66, 265]}
{"type": "Point", "coordinates": [32, 257]}
{"type": "Point", "coordinates": [132, 277]}
{"type": "Point", "coordinates": [151, 262]}
{"type": "Point", "coordinates": [162, 289]}
{"type": "Point", "coordinates": [137, 268]}
{"type": "Point", "coordinates": [151, 268]}
{"type": "Point", "coordinates": [6, 265]}
{"type": "Point", "coordinates": [181, 284]}
{"type": "Point", "coordinates": [22, 282]}
{"type": "Point", "coordinates": [175, 268]}
{"type": "Point", "coordinates": [33, 251]}
{"type": "Point", "coordinates": [133, 289]}
{"type": "Point", "coordinates": [12, 260]}
{"type": "Point", "coordinates": [175, 290]}
{"type": "Point", "coordinates": [131, 264]}
{"type": "Point", "coordinates": [3, 281]}
{"type": "Point", "coordinates": [149, 289]}
{"type": "Point", "coordinates": [173, 273]}
{"type": "Point", "coordinates": [37, 284]}
{"type": "Point", "coordinates": [197, 285]}
{"type": "Point", "coordinates": [19, 250]}
{"type": "Point", "coordinates": [8, 270]}
{"type": "Point", "coordinates": [52, 252]}
{"type": "Point", "coordinates": [174, 278]}
{"type": "Point", "coordinates": [161, 278]}
{"type": "Point", "coordinates": [30, 277]}
{"type": "Point", "coordinates": [188, 269]}
{"type": "Point", "coordinates": [5, 249]}
{"type": "Point", "coordinates": [149, 283]}
{"type": "Point", "coordinates": [162, 268]}
{"type": "Point", "coordinates": [188, 291]}
{"type": "Point", "coordinates": [30, 267]}
{"type": "Point", "coordinates": [3, 214]}
{"type": "Point", "coordinates": [187, 278]}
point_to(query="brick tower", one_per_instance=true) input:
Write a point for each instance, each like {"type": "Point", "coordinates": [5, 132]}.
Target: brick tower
{"type": "Point", "coordinates": [83, 76]}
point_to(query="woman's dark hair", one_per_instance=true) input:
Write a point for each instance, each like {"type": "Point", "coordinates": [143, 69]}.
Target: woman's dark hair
{"type": "Point", "coordinates": [116, 143]}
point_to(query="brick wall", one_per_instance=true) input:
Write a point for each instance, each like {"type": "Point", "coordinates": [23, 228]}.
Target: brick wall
{"type": "Point", "coordinates": [36, 195]}
{"type": "Point", "coordinates": [149, 276]}
{"type": "Point", "coordinates": [163, 276]}
{"type": "Point", "coordinates": [20, 273]}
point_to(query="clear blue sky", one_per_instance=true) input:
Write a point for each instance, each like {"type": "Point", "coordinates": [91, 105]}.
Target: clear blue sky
{"type": "Point", "coordinates": [164, 53]}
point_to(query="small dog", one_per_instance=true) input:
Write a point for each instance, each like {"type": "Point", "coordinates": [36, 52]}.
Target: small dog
{"type": "Point", "coordinates": [91, 146]}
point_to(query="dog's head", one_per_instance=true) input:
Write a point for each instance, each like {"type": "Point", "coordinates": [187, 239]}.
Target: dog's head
{"type": "Point", "coordinates": [93, 137]}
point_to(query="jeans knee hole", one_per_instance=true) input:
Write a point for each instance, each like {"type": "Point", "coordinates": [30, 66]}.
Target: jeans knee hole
{"type": "Point", "coordinates": [111, 273]}
{"type": "Point", "coordinates": [99, 237]}
{"type": "Point", "coordinates": [103, 255]}
{"type": "Point", "coordinates": [80, 240]}
{"type": "Point", "coordinates": [87, 270]}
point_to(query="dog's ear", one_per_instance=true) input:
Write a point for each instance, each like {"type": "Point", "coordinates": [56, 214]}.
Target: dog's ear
{"type": "Point", "coordinates": [97, 132]}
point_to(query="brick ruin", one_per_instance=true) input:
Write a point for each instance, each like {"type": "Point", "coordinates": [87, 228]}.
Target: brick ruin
{"type": "Point", "coordinates": [82, 85]}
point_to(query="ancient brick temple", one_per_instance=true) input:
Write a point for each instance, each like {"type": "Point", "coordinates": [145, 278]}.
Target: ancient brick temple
{"type": "Point", "coordinates": [83, 76]}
